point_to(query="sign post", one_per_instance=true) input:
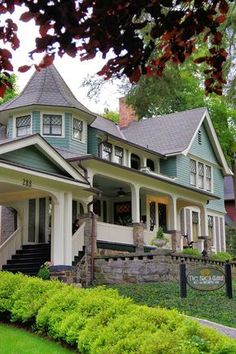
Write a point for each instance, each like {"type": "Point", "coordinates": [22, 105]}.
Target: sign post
{"type": "Point", "coordinates": [183, 281]}
{"type": "Point", "coordinates": [228, 281]}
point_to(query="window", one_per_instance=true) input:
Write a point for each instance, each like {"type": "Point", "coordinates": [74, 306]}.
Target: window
{"type": "Point", "coordinates": [199, 135]}
{"type": "Point", "coordinates": [208, 178]}
{"type": "Point", "coordinates": [52, 124]}
{"type": "Point", "coordinates": [135, 162]}
{"type": "Point", "coordinates": [210, 229]}
{"type": "Point", "coordinates": [151, 164]}
{"type": "Point", "coordinates": [193, 172]}
{"type": "Point", "coordinates": [77, 129]}
{"type": "Point", "coordinates": [200, 175]}
{"type": "Point", "coordinates": [118, 158]}
{"type": "Point", "coordinates": [23, 125]}
{"type": "Point", "coordinates": [106, 151]}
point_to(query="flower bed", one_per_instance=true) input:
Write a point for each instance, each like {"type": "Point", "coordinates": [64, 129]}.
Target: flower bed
{"type": "Point", "coordinates": [100, 321]}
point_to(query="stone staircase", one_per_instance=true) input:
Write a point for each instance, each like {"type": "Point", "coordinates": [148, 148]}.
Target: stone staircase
{"type": "Point", "coordinates": [28, 259]}
{"type": "Point", "coordinates": [78, 258]}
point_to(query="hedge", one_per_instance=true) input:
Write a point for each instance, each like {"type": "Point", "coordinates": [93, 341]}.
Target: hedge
{"type": "Point", "coordinates": [99, 321]}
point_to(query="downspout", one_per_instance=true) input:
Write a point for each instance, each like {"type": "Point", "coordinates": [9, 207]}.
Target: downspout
{"type": "Point", "coordinates": [93, 235]}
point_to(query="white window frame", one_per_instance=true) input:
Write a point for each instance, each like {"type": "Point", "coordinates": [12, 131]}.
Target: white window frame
{"type": "Point", "coordinates": [101, 151]}
{"type": "Point", "coordinates": [14, 129]}
{"type": "Point", "coordinates": [62, 127]}
{"type": "Point", "coordinates": [205, 166]}
{"type": "Point", "coordinates": [82, 132]}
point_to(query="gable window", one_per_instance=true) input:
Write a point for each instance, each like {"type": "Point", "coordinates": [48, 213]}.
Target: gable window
{"type": "Point", "coordinates": [135, 162]}
{"type": "Point", "coordinates": [23, 125]}
{"type": "Point", "coordinates": [200, 175]}
{"type": "Point", "coordinates": [193, 172]}
{"type": "Point", "coordinates": [118, 155]}
{"type": "Point", "coordinates": [52, 124]}
{"type": "Point", "coordinates": [77, 129]}
{"type": "Point", "coordinates": [150, 164]}
{"type": "Point", "coordinates": [106, 151]}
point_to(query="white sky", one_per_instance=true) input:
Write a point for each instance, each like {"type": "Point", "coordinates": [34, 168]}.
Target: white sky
{"type": "Point", "coordinates": [72, 70]}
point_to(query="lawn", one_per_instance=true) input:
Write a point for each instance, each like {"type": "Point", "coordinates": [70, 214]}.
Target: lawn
{"type": "Point", "coordinates": [211, 305]}
{"type": "Point", "coordinates": [17, 341]}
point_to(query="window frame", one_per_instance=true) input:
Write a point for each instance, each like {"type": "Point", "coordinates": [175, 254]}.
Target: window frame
{"type": "Point", "coordinates": [116, 158]}
{"type": "Point", "coordinates": [203, 175]}
{"type": "Point", "coordinates": [82, 131]}
{"type": "Point", "coordinates": [109, 145]}
{"type": "Point", "coordinates": [23, 115]}
{"type": "Point", "coordinates": [62, 124]}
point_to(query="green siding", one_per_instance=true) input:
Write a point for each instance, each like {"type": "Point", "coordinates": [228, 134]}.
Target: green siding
{"type": "Point", "coordinates": [168, 167]}
{"type": "Point", "coordinates": [32, 157]}
{"type": "Point", "coordinates": [93, 141]}
{"type": "Point", "coordinates": [36, 122]}
{"type": "Point", "coordinates": [204, 150]}
{"type": "Point", "coordinates": [10, 127]}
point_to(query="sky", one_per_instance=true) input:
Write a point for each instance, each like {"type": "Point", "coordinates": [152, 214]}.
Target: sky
{"type": "Point", "coordinates": [72, 70]}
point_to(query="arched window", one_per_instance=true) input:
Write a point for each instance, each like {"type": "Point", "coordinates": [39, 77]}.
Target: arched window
{"type": "Point", "coordinates": [135, 162]}
{"type": "Point", "coordinates": [150, 164]}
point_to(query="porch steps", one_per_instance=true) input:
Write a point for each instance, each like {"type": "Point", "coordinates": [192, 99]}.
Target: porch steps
{"type": "Point", "coordinates": [28, 259]}
{"type": "Point", "coordinates": [78, 258]}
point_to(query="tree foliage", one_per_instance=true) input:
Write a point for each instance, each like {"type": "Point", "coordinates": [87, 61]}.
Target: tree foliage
{"type": "Point", "coordinates": [88, 27]}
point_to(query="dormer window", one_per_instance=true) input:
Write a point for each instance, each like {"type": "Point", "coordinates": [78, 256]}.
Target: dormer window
{"type": "Point", "coordinates": [77, 129]}
{"type": "Point", "coordinates": [135, 162]}
{"type": "Point", "coordinates": [106, 151]}
{"type": "Point", "coordinates": [52, 124]}
{"type": "Point", "coordinates": [23, 125]}
{"type": "Point", "coordinates": [118, 155]}
{"type": "Point", "coordinates": [151, 165]}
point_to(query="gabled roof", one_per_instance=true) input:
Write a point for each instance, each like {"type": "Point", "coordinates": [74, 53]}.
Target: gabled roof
{"type": "Point", "coordinates": [47, 150]}
{"type": "Point", "coordinates": [45, 87]}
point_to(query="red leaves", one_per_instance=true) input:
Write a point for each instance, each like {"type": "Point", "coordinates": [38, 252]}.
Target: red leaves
{"type": "Point", "coordinates": [27, 16]}
{"type": "Point", "coordinates": [24, 68]}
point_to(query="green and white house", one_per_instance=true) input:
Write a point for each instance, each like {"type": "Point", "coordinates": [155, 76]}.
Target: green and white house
{"type": "Point", "coordinates": [56, 155]}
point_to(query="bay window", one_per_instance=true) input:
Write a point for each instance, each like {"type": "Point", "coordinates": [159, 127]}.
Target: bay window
{"type": "Point", "coordinates": [52, 124]}
{"type": "Point", "coordinates": [77, 129]}
{"type": "Point", "coordinates": [23, 125]}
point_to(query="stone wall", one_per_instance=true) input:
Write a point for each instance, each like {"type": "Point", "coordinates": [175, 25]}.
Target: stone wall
{"type": "Point", "coordinates": [142, 268]}
{"type": "Point", "coordinates": [8, 223]}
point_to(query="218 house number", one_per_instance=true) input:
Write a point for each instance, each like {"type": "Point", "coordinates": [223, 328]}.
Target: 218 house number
{"type": "Point", "coordinates": [27, 182]}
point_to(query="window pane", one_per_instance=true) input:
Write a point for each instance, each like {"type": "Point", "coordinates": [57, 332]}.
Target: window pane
{"type": "Point", "coordinates": [23, 125]}
{"type": "Point", "coordinates": [52, 124]}
{"type": "Point", "coordinates": [200, 175]}
{"type": "Point", "coordinates": [106, 151]}
{"type": "Point", "coordinates": [77, 129]}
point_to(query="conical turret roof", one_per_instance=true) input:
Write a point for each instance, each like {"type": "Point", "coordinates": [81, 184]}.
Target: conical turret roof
{"type": "Point", "coordinates": [45, 87]}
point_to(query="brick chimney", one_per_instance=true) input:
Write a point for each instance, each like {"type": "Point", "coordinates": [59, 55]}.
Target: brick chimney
{"type": "Point", "coordinates": [126, 113]}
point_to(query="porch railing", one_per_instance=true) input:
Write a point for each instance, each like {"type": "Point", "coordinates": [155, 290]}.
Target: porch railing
{"type": "Point", "coordinates": [114, 233]}
{"type": "Point", "coordinates": [78, 241]}
{"type": "Point", "coordinates": [9, 247]}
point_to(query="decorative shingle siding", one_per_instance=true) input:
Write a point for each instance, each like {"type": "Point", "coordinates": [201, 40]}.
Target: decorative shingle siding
{"type": "Point", "coordinates": [168, 167]}
{"type": "Point", "coordinates": [93, 141]}
{"type": "Point", "coordinates": [32, 157]}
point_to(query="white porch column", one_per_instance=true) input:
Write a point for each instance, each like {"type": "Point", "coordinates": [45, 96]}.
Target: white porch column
{"type": "Point", "coordinates": [143, 161]}
{"type": "Point", "coordinates": [135, 203]}
{"type": "Point", "coordinates": [68, 229]}
{"type": "Point", "coordinates": [57, 236]}
{"type": "Point", "coordinates": [173, 215]}
{"type": "Point", "coordinates": [128, 158]}
{"type": "Point", "coordinates": [204, 221]}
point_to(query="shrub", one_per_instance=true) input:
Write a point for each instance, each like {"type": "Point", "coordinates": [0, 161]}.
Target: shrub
{"type": "Point", "coordinates": [222, 256]}
{"type": "Point", "coordinates": [99, 321]}
{"type": "Point", "coordinates": [191, 252]}
{"type": "Point", "coordinates": [44, 272]}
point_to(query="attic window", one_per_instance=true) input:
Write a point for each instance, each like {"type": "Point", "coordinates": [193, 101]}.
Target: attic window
{"type": "Point", "coordinates": [23, 125]}
{"type": "Point", "coordinates": [199, 137]}
{"type": "Point", "coordinates": [52, 124]}
{"type": "Point", "coordinates": [150, 164]}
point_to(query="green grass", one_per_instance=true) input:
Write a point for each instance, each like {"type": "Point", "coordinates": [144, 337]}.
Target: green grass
{"type": "Point", "coordinates": [18, 341]}
{"type": "Point", "coordinates": [212, 305]}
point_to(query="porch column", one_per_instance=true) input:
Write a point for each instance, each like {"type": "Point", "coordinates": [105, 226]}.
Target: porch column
{"type": "Point", "coordinates": [135, 203]}
{"type": "Point", "coordinates": [128, 158]}
{"type": "Point", "coordinates": [68, 228]}
{"type": "Point", "coordinates": [204, 226]}
{"type": "Point", "coordinates": [173, 224]}
{"type": "Point", "coordinates": [57, 236]}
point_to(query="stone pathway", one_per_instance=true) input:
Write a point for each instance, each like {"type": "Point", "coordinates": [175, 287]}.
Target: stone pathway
{"type": "Point", "coordinates": [228, 331]}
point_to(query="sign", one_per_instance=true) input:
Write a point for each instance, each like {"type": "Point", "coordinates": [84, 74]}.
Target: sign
{"type": "Point", "coordinates": [206, 278]}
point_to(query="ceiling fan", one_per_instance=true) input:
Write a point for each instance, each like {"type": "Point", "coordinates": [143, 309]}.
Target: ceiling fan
{"type": "Point", "coordinates": [121, 193]}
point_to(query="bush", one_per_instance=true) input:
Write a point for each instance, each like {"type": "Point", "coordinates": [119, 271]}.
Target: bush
{"type": "Point", "coordinates": [44, 272]}
{"type": "Point", "coordinates": [100, 321]}
{"type": "Point", "coordinates": [191, 252]}
{"type": "Point", "coordinates": [222, 256]}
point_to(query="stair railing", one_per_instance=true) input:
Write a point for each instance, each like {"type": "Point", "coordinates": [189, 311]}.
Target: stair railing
{"type": "Point", "coordinates": [78, 241]}
{"type": "Point", "coordinates": [9, 247]}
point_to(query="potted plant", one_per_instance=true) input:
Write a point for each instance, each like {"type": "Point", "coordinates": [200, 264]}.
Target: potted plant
{"type": "Point", "coordinates": [159, 240]}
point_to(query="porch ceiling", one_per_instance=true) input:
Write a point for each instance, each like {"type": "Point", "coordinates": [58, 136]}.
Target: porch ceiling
{"type": "Point", "coordinates": [110, 186]}
{"type": "Point", "coordinates": [10, 193]}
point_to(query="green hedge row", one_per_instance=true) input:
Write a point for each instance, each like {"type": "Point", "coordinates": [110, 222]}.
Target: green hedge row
{"type": "Point", "coordinates": [99, 321]}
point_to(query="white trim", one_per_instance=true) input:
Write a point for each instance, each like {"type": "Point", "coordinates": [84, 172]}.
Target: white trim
{"type": "Point", "coordinates": [214, 140]}
{"type": "Point", "coordinates": [46, 149]}
{"type": "Point", "coordinates": [62, 127]}
{"type": "Point", "coordinates": [22, 114]}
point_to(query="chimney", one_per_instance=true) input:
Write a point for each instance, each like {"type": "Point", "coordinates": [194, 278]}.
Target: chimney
{"type": "Point", "coordinates": [126, 113]}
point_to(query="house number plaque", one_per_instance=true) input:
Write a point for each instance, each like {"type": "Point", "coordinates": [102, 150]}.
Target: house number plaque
{"type": "Point", "coordinates": [27, 182]}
